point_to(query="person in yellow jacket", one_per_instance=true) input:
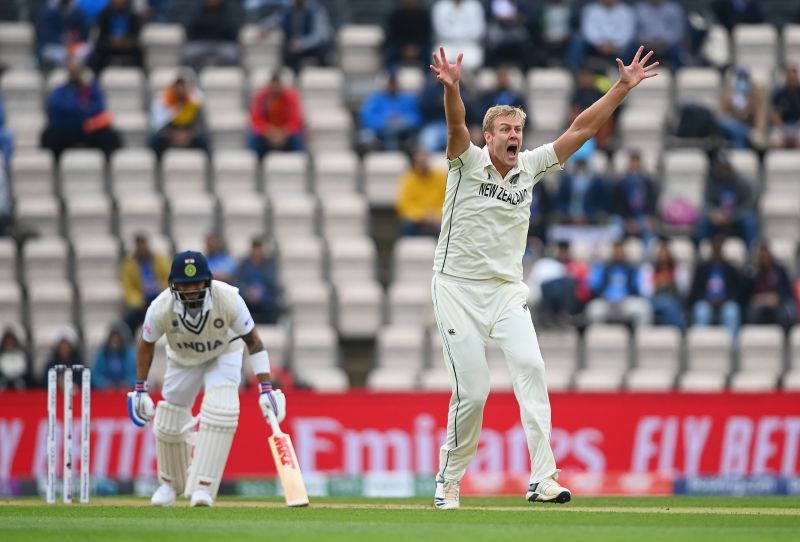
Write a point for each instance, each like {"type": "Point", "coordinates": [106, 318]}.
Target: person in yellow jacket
{"type": "Point", "coordinates": [144, 275]}
{"type": "Point", "coordinates": [420, 198]}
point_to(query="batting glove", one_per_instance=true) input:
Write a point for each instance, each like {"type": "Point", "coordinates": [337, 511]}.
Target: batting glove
{"type": "Point", "coordinates": [140, 405]}
{"type": "Point", "coordinates": [272, 400]}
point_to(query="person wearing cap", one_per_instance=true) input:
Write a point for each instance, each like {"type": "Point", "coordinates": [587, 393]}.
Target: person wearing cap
{"type": "Point", "coordinates": [203, 320]}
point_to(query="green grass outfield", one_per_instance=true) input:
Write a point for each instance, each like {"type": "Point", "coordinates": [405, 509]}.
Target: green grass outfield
{"type": "Point", "coordinates": [649, 519]}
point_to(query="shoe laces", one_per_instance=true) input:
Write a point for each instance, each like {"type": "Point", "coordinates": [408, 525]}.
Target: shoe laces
{"type": "Point", "coordinates": [451, 490]}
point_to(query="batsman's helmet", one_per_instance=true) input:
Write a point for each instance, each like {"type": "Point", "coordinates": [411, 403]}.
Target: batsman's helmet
{"type": "Point", "coordinates": [190, 267]}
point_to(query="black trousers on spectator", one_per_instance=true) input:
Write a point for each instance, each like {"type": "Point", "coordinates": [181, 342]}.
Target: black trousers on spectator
{"type": "Point", "coordinates": [60, 139]}
{"type": "Point", "coordinates": [107, 56]}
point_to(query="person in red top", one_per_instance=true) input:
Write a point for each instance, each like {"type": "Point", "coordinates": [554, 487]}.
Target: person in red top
{"type": "Point", "coordinates": [276, 116]}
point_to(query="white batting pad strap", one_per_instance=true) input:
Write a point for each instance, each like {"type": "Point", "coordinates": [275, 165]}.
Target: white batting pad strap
{"type": "Point", "coordinates": [259, 362]}
{"type": "Point", "coordinates": [219, 417]}
{"type": "Point", "coordinates": [172, 448]}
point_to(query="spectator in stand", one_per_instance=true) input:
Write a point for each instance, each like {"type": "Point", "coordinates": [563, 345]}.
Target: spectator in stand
{"type": "Point", "coordinates": [556, 29]}
{"type": "Point", "coordinates": [66, 351]}
{"type": "Point", "coordinates": [770, 299]}
{"type": "Point", "coordinates": [581, 197]}
{"type": "Point", "coordinates": [63, 32]}
{"type": "Point", "coordinates": [114, 364]}
{"type": "Point", "coordinates": [177, 118]}
{"type": "Point", "coordinates": [212, 36]}
{"type": "Point", "coordinates": [615, 292]}
{"type": "Point", "coordinates": [665, 283]}
{"type": "Point", "coordinates": [559, 286]}
{"type": "Point", "coordinates": [118, 37]}
{"type": "Point", "coordinates": [408, 35]}
{"type": "Point", "coordinates": [390, 118]}
{"type": "Point", "coordinates": [77, 115]}
{"type": "Point", "coordinates": [590, 87]}
{"type": "Point", "coordinates": [14, 371]}
{"type": "Point", "coordinates": [729, 206]}
{"type": "Point", "coordinates": [540, 212]}
{"type": "Point", "coordinates": [660, 26]}
{"type": "Point", "coordinates": [633, 202]}
{"type": "Point", "coordinates": [92, 9]}
{"type": "Point", "coordinates": [503, 93]}
{"type": "Point", "coordinates": [156, 10]}
{"type": "Point", "coordinates": [743, 112]}
{"type": "Point", "coordinates": [257, 280]}
{"type": "Point", "coordinates": [144, 276]}
{"type": "Point", "coordinates": [433, 136]}
{"type": "Point", "coordinates": [608, 29]}
{"type": "Point", "coordinates": [307, 33]}
{"type": "Point", "coordinates": [511, 34]}
{"type": "Point", "coordinates": [716, 290]}
{"type": "Point", "coordinates": [459, 27]}
{"type": "Point", "coordinates": [6, 138]}
{"type": "Point", "coordinates": [276, 119]}
{"type": "Point", "coordinates": [785, 114]}
{"type": "Point", "coordinates": [222, 266]}
{"type": "Point", "coordinates": [420, 198]}
{"type": "Point", "coordinates": [729, 13]}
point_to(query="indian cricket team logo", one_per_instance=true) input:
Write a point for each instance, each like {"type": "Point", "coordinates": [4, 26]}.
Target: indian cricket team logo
{"type": "Point", "coordinates": [189, 268]}
{"type": "Point", "coordinates": [218, 323]}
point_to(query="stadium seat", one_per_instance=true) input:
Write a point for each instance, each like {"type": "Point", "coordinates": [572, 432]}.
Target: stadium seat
{"type": "Point", "coordinates": [294, 215]}
{"type": "Point", "coordinates": [133, 171]}
{"type": "Point", "coordinates": [685, 172]}
{"type": "Point", "coordinates": [17, 44]}
{"type": "Point", "coordinates": [228, 128]}
{"type": "Point", "coordinates": [51, 303]}
{"type": "Point", "coordinates": [780, 215]}
{"type": "Point", "coordinates": [657, 355]}
{"type": "Point", "coordinates": [682, 249]}
{"type": "Point", "coordinates": [409, 302]}
{"type": "Point", "coordinates": [755, 46]}
{"type": "Point", "coordinates": [8, 260]}
{"type": "Point", "coordinates": [315, 358]}
{"type": "Point", "coordinates": [134, 128]}
{"type": "Point", "coordinates": [192, 217]}
{"type": "Point", "coordinates": [655, 97]}
{"type": "Point", "coordinates": [642, 129]}
{"type": "Point", "coordinates": [486, 80]}
{"type": "Point", "coordinates": [302, 258]}
{"type": "Point", "coordinates": [32, 173]}
{"type": "Point", "coordinates": [124, 89]}
{"type": "Point", "coordinates": [45, 258]}
{"type": "Point", "coordinates": [163, 76]}
{"type": "Point", "coordinates": [260, 52]}
{"type": "Point", "coordinates": [88, 216]}
{"type": "Point", "coordinates": [400, 356]}
{"type": "Point", "coordinates": [82, 173]}
{"type": "Point", "coordinates": [329, 129]}
{"type": "Point", "coordinates": [243, 217]}
{"type": "Point", "coordinates": [142, 213]}
{"type": "Point", "coordinates": [784, 250]}
{"type": "Point", "coordinates": [733, 248]}
{"type": "Point", "coordinates": [549, 91]}
{"type": "Point", "coordinates": [100, 303]}
{"type": "Point", "coordinates": [352, 258]}
{"type": "Point", "coordinates": [27, 128]}
{"type": "Point", "coordinates": [359, 307]}
{"type": "Point", "coordinates": [607, 356]}
{"type": "Point", "coordinates": [560, 352]}
{"type": "Point", "coordinates": [163, 44]}
{"type": "Point", "coordinates": [234, 173]}
{"type": "Point", "coordinates": [791, 380]}
{"type": "Point", "coordinates": [700, 86]}
{"type": "Point", "coordinates": [286, 173]}
{"type": "Point", "coordinates": [648, 156]}
{"type": "Point", "coordinates": [780, 172]}
{"type": "Point", "coordinates": [382, 174]}
{"type": "Point", "coordinates": [791, 44]}
{"type": "Point", "coordinates": [360, 48]}
{"type": "Point", "coordinates": [412, 259]}
{"type": "Point", "coordinates": [40, 214]}
{"type": "Point", "coordinates": [22, 91]}
{"type": "Point", "coordinates": [223, 88]}
{"type": "Point", "coordinates": [11, 301]}
{"type": "Point", "coordinates": [411, 79]}
{"type": "Point", "coordinates": [335, 172]}
{"type": "Point", "coordinates": [344, 215]}
{"type": "Point", "coordinates": [708, 359]}
{"type": "Point", "coordinates": [97, 258]}
{"type": "Point", "coordinates": [760, 358]}
{"type": "Point", "coordinates": [184, 172]}
{"type": "Point", "coordinates": [746, 164]}
{"type": "Point", "coordinates": [322, 89]}
{"type": "Point", "coordinates": [311, 301]}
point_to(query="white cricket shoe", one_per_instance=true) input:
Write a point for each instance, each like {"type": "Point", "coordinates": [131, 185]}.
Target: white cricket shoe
{"type": "Point", "coordinates": [548, 490]}
{"type": "Point", "coordinates": [201, 497]}
{"type": "Point", "coordinates": [446, 496]}
{"type": "Point", "coordinates": [164, 496]}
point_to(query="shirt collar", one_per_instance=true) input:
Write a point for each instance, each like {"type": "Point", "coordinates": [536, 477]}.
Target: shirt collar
{"type": "Point", "coordinates": [487, 161]}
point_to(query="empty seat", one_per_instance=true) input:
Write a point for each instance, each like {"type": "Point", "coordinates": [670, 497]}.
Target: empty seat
{"type": "Point", "coordinates": [780, 215]}
{"type": "Point", "coordinates": [412, 259]}
{"type": "Point", "coordinates": [45, 258]}
{"type": "Point", "coordinates": [411, 79]}
{"type": "Point", "coordinates": [184, 172]}
{"type": "Point", "coordinates": [658, 352]}
{"type": "Point", "coordinates": [100, 302]}
{"type": "Point", "coordinates": [685, 172]}
{"type": "Point", "coordinates": [352, 258]}
{"type": "Point", "coordinates": [360, 48]}
{"type": "Point", "coordinates": [41, 214]}
{"type": "Point", "coordinates": [548, 95]}
{"type": "Point", "coordinates": [780, 172]}
{"type": "Point", "coordinates": [335, 172]}
{"type": "Point", "coordinates": [27, 128]}
{"type": "Point", "coordinates": [294, 215]}
{"type": "Point", "coordinates": [97, 259]}
{"type": "Point", "coordinates": [359, 308]}
{"type": "Point", "coordinates": [133, 171]}
{"type": "Point", "coordinates": [82, 173]}
{"type": "Point", "coordinates": [8, 260]}
{"type": "Point", "coordinates": [755, 46]}
{"type": "Point", "coordinates": [682, 249]}
{"type": "Point", "coordinates": [163, 44]}
{"type": "Point", "coordinates": [656, 97]}
{"type": "Point", "coordinates": [16, 44]}
{"type": "Point", "coordinates": [330, 129]}
{"type": "Point", "coordinates": [302, 259]}
{"type": "Point", "coordinates": [87, 217]}
{"type": "Point", "coordinates": [315, 358]}
{"type": "Point", "coordinates": [760, 358]}
{"type": "Point", "coordinates": [733, 248]}
{"type": "Point", "coordinates": [784, 250]}
{"type": "Point", "coordinates": [260, 52]}
{"type": "Point", "coordinates": [134, 128]}
{"type": "Point", "coordinates": [32, 173]}
{"type": "Point", "coordinates": [286, 172]}
{"type": "Point", "coordinates": [409, 302]}
{"type": "Point", "coordinates": [791, 380]}
{"type": "Point", "coordinates": [321, 88]}
{"type": "Point", "coordinates": [11, 303]}
{"type": "Point", "coordinates": [124, 88]}
{"type": "Point", "coordinates": [791, 44]}
{"type": "Point", "coordinates": [708, 359]}
{"type": "Point", "coordinates": [228, 128]}
{"type": "Point", "coordinates": [22, 91]}
{"type": "Point", "coordinates": [50, 303]}
{"type": "Point", "coordinates": [243, 218]}
{"type": "Point", "coordinates": [607, 353]}
{"type": "Point", "coordinates": [382, 173]}
{"type": "Point", "coordinates": [700, 86]}
{"type": "Point", "coordinates": [234, 173]}
{"type": "Point", "coordinates": [344, 215]}
{"type": "Point", "coordinates": [559, 350]}
{"type": "Point", "coordinates": [745, 163]}
{"type": "Point", "coordinates": [311, 302]}
{"type": "Point", "coordinates": [143, 213]}
{"type": "Point", "coordinates": [223, 88]}
{"type": "Point", "coordinates": [192, 216]}
{"type": "Point", "coordinates": [399, 356]}
{"type": "Point", "coordinates": [642, 128]}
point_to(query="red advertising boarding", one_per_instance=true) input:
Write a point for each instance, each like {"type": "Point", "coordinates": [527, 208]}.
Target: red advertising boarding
{"type": "Point", "coordinates": [359, 432]}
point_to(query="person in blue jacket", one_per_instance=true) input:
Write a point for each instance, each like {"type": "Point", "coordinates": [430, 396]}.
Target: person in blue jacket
{"type": "Point", "coordinates": [390, 118]}
{"type": "Point", "coordinates": [115, 362]}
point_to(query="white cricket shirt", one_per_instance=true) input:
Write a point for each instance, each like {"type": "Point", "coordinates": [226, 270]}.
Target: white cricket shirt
{"type": "Point", "coordinates": [199, 340]}
{"type": "Point", "coordinates": [485, 216]}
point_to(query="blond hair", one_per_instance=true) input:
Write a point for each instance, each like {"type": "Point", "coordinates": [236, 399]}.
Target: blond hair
{"type": "Point", "coordinates": [502, 111]}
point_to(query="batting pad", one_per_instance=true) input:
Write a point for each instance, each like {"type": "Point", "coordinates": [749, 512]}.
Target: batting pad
{"type": "Point", "coordinates": [172, 447]}
{"type": "Point", "coordinates": [219, 417]}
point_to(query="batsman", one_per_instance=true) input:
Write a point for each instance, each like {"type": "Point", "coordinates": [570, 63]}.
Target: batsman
{"type": "Point", "coordinates": [203, 320]}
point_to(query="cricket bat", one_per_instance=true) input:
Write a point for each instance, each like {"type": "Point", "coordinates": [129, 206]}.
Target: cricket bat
{"type": "Point", "coordinates": [286, 462]}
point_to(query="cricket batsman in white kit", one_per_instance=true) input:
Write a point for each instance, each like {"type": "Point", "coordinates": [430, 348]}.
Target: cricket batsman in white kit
{"type": "Point", "coordinates": [477, 288]}
{"type": "Point", "coordinates": [203, 320]}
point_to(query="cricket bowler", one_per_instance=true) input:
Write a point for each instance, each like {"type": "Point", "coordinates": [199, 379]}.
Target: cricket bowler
{"type": "Point", "coordinates": [203, 320]}
{"type": "Point", "coordinates": [477, 287]}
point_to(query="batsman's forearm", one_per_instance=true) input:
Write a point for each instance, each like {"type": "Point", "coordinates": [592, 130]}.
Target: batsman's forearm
{"type": "Point", "coordinates": [144, 359]}
{"type": "Point", "coordinates": [454, 110]}
{"type": "Point", "coordinates": [590, 120]}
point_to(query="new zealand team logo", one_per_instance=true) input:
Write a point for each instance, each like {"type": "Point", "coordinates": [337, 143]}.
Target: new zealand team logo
{"type": "Point", "coordinates": [514, 180]}
{"type": "Point", "coordinates": [218, 323]}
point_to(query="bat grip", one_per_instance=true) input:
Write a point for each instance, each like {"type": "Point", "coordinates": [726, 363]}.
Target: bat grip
{"type": "Point", "coordinates": [273, 423]}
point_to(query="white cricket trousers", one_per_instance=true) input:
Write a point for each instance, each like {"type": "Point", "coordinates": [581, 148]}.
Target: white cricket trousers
{"type": "Point", "coordinates": [182, 383]}
{"type": "Point", "coordinates": [469, 312]}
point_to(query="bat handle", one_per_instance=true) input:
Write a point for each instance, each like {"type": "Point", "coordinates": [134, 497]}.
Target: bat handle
{"type": "Point", "coordinates": [273, 423]}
